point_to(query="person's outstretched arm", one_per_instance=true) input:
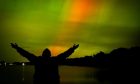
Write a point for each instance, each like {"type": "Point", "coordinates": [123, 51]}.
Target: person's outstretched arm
{"type": "Point", "coordinates": [24, 53]}
{"type": "Point", "coordinates": [68, 52]}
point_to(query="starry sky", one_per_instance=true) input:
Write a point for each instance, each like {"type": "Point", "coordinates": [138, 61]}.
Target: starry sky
{"type": "Point", "coordinates": [97, 25]}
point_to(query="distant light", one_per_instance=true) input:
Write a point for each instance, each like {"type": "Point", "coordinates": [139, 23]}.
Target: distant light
{"type": "Point", "coordinates": [23, 64]}
{"type": "Point", "coordinates": [11, 64]}
{"type": "Point", "coordinates": [5, 63]}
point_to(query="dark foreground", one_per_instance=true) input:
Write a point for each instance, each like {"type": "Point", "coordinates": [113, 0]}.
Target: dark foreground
{"type": "Point", "coordinates": [17, 74]}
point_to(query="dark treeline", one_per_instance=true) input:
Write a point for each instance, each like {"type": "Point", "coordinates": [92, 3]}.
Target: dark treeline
{"type": "Point", "coordinates": [117, 57]}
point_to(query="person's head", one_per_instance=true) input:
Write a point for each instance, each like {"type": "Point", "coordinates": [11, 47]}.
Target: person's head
{"type": "Point", "coordinates": [46, 53]}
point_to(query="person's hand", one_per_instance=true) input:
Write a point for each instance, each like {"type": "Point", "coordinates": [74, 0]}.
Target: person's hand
{"type": "Point", "coordinates": [14, 45]}
{"type": "Point", "coordinates": [75, 46]}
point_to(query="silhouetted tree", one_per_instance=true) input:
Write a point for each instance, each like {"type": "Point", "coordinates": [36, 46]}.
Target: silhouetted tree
{"type": "Point", "coordinates": [122, 67]}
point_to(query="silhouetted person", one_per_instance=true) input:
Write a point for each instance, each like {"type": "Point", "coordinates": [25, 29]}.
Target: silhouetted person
{"type": "Point", "coordinates": [46, 67]}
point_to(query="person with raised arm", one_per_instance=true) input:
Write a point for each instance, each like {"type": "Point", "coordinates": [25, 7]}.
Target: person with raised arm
{"type": "Point", "coordinates": [46, 66]}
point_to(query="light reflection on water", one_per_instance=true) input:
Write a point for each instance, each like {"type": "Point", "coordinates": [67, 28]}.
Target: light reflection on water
{"type": "Point", "coordinates": [77, 75]}
{"type": "Point", "coordinates": [18, 74]}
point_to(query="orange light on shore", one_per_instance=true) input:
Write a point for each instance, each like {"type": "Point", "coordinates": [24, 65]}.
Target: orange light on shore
{"type": "Point", "coordinates": [56, 50]}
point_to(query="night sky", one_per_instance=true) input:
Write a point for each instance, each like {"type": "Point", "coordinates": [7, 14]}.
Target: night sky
{"type": "Point", "coordinates": [97, 25]}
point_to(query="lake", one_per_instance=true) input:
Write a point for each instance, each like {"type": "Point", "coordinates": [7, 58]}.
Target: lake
{"type": "Point", "coordinates": [17, 74]}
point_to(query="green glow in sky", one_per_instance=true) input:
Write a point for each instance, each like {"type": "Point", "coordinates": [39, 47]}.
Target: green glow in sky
{"type": "Point", "coordinates": [97, 25]}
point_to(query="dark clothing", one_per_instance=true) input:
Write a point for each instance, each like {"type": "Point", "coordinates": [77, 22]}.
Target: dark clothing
{"type": "Point", "coordinates": [46, 69]}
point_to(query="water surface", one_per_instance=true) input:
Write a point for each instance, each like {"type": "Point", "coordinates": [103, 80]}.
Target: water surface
{"type": "Point", "coordinates": [18, 74]}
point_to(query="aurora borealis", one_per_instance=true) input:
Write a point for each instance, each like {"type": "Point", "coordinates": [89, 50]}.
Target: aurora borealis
{"type": "Point", "coordinates": [97, 25]}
